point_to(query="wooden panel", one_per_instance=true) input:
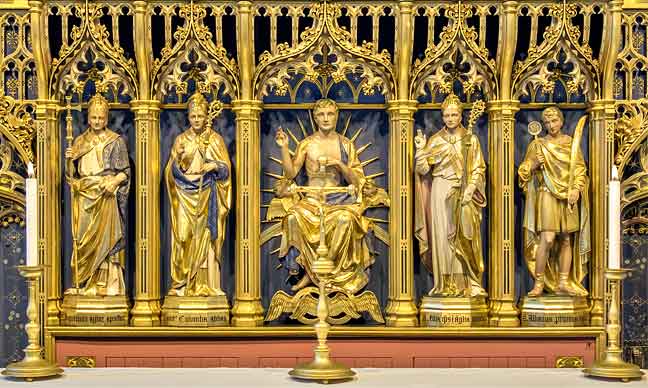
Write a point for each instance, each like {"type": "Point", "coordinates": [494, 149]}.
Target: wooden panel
{"type": "Point", "coordinates": [356, 353]}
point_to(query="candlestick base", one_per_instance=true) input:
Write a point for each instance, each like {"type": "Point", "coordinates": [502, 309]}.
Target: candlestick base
{"type": "Point", "coordinates": [324, 370]}
{"type": "Point", "coordinates": [612, 368]}
{"type": "Point", "coordinates": [612, 365]}
{"type": "Point", "coordinates": [32, 369]}
{"type": "Point", "coordinates": [32, 365]}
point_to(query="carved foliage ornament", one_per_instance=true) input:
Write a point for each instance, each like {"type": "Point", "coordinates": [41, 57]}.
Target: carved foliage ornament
{"type": "Point", "coordinates": [204, 71]}
{"type": "Point", "coordinates": [458, 46]}
{"type": "Point", "coordinates": [16, 125]}
{"type": "Point", "coordinates": [442, 75]}
{"type": "Point", "coordinates": [88, 40]}
{"type": "Point", "coordinates": [16, 134]}
{"type": "Point", "coordinates": [325, 39]}
{"type": "Point", "coordinates": [631, 130]}
{"type": "Point", "coordinates": [91, 65]}
{"type": "Point", "coordinates": [562, 36]}
{"type": "Point", "coordinates": [630, 135]}
{"type": "Point", "coordinates": [636, 186]}
{"type": "Point", "coordinates": [194, 48]}
{"type": "Point", "coordinates": [547, 72]}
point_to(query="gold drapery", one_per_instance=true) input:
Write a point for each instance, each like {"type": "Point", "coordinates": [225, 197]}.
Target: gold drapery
{"type": "Point", "coordinates": [554, 179]}
{"type": "Point", "coordinates": [97, 225]}
{"type": "Point", "coordinates": [346, 227]}
{"type": "Point", "coordinates": [195, 253]}
{"type": "Point", "coordinates": [449, 232]}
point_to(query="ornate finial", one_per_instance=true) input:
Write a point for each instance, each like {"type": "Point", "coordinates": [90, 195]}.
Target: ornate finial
{"type": "Point", "coordinates": [451, 100]}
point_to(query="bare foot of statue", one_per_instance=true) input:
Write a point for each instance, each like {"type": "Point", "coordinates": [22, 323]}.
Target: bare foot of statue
{"type": "Point", "coordinates": [537, 290]}
{"type": "Point", "coordinates": [303, 282]}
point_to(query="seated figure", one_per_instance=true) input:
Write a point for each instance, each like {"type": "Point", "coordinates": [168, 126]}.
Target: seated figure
{"type": "Point", "coordinates": [330, 161]}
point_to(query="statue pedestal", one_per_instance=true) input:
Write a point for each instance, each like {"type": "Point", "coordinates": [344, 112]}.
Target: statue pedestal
{"type": "Point", "coordinates": [554, 311]}
{"type": "Point", "coordinates": [86, 310]}
{"type": "Point", "coordinates": [195, 311]}
{"type": "Point", "coordinates": [441, 311]}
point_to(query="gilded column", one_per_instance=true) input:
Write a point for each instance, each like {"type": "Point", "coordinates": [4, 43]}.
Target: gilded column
{"type": "Point", "coordinates": [602, 116]}
{"type": "Point", "coordinates": [401, 310]}
{"type": "Point", "coordinates": [247, 309]}
{"type": "Point", "coordinates": [48, 173]}
{"type": "Point", "coordinates": [146, 309]}
{"type": "Point", "coordinates": [501, 155]}
{"type": "Point", "coordinates": [600, 162]}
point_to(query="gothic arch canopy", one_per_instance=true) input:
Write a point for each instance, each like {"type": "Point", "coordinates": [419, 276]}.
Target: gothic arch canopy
{"type": "Point", "coordinates": [90, 44]}
{"type": "Point", "coordinates": [324, 40]}
{"type": "Point", "coordinates": [194, 45]}
{"type": "Point", "coordinates": [458, 45]}
{"type": "Point", "coordinates": [561, 38]}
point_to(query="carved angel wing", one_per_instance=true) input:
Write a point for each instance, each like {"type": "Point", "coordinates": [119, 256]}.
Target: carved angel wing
{"type": "Point", "coordinates": [367, 302]}
{"type": "Point", "coordinates": [281, 303]}
{"type": "Point", "coordinates": [342, 304]}
{"type": "Point", "coordinates": [306, 305]}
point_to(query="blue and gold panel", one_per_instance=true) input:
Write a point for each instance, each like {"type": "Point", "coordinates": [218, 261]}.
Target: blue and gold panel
{"type": "Point", "coordinates": [369, 131]}
{"type": "Point", "coordinates": [13, 337]}
{"type": "Point", "coordinates": [13, 288]}
{"type": "Point", "coordinates": [634, 300]}
{"type": "Point", "coordinates": [304, 90]}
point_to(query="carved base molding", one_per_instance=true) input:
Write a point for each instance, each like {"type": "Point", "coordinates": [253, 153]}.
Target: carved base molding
{"type": "Point", "coordinates": [192, 311]}
{"type": "Point", "coordinates": [555, 311]}
{"type": "Point", "coordinates": [342, 306]}
{"type": "Point", "coordinates": [439, 311]}
{"type": "Point", "coordinates": [82, 310]}
{"type": "Point", "coordinates": [285, 346]}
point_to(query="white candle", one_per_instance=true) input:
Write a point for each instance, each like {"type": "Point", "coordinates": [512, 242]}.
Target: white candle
{"type": "Point", "coordinates": [31, 211]}
{"type": "Point", "coordinates": [614, 221]}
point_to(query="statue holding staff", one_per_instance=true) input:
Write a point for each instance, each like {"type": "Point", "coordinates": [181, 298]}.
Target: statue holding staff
{"type": "Point", "coordinates": [198, 177]}
{"type": "Point", "coordinates": [98, 173]}
{"type": "Point", "coordinates": [450, 190]}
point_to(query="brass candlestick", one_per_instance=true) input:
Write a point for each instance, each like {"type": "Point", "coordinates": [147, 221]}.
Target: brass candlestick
{"type": "Point", "coordinates": [322, 368]}
{"type": "Point", "coordinates": [612, 366]}
{"type": "Point", "coordinates": [32, 365]}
